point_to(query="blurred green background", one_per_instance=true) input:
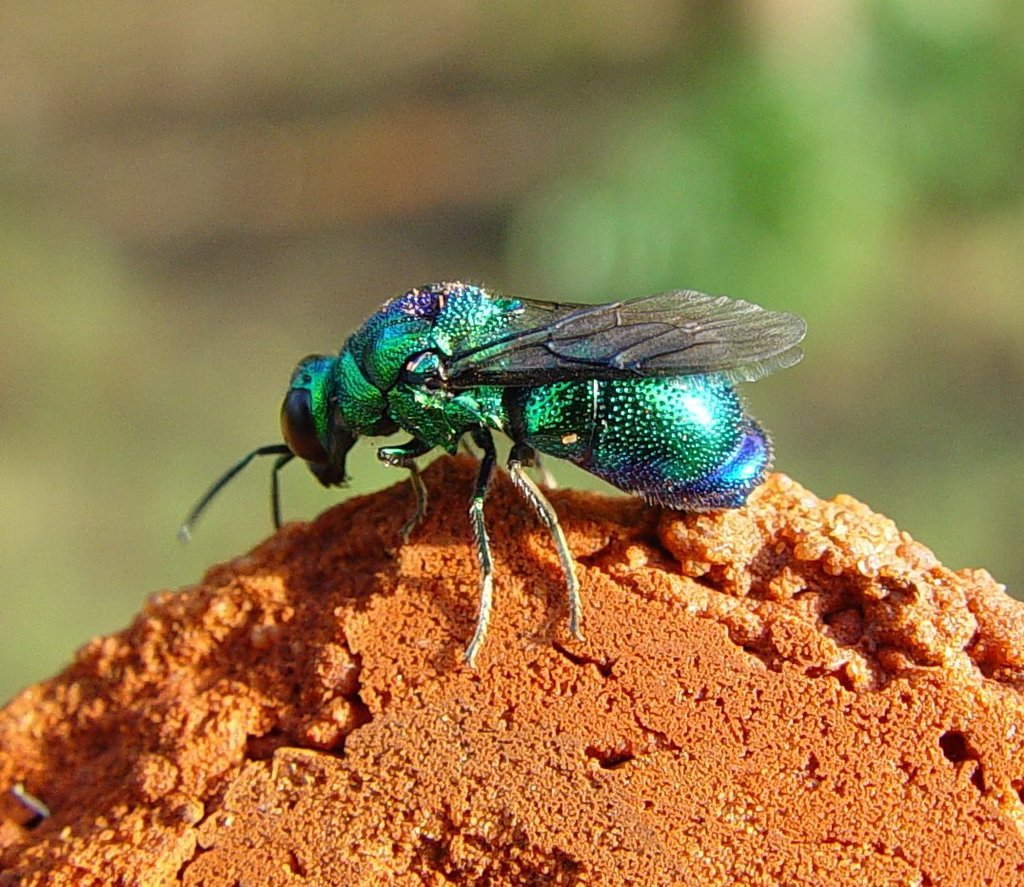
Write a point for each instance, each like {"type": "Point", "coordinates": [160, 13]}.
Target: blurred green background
{"type": "Point", "coordinates": [191, 200]}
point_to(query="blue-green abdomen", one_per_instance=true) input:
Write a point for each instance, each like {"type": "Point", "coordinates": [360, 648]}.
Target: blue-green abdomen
{"type": "Point", "coordinates": [682, 441]}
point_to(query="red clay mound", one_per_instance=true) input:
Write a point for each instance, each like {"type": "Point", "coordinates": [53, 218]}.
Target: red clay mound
{"type": "Point", "coordinates": [791, 693]}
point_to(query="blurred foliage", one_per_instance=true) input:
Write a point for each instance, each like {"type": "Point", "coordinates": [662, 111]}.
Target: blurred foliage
{"type": "Point", "coordinates": [191, 201]}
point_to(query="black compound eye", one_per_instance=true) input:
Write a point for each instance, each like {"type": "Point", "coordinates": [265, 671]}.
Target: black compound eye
{"type": "Point", "coordinates": [299, 428]}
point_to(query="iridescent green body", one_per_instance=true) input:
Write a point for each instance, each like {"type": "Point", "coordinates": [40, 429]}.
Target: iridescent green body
{"type": "Point", "coordinates": [638, 393]}
{"type": "Point", "coordinates": [681, 441]}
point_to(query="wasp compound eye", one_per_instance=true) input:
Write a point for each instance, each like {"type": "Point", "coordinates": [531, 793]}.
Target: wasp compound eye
{"type": "Point", "coordinates": [299, 428]}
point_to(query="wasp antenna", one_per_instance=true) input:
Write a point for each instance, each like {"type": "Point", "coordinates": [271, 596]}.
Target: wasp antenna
{"type": "Point", "coordinates": [281, 450]}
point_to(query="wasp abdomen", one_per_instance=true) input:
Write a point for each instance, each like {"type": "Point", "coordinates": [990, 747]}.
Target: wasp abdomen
{"type": "Point", "coordinates": [683, 441]}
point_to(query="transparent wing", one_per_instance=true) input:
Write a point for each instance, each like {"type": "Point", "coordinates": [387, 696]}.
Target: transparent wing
{"type": "Point", "coordinates": [668, 334]}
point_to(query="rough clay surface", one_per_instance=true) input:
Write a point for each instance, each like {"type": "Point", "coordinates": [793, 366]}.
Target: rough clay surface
{"type": "Point", "coordinates": [791, 693]}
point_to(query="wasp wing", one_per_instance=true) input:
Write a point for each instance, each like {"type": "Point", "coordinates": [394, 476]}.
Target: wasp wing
{"type": "Point", "coordinates": [669, 334]}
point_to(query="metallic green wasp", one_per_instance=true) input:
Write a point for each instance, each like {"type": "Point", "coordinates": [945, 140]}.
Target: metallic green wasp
{"type": "Point", "coordinates": [639, 393]}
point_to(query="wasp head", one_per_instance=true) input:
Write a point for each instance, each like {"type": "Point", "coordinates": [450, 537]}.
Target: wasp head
{"type": "Point", "coordinates": [313, 427]}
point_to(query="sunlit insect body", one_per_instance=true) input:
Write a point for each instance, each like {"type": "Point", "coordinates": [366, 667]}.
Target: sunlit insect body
{"type": "Point", "coordinates": [639, 393]}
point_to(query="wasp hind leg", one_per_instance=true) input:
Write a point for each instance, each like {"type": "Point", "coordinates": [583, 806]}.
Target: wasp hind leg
{"type": "Point", "coordinates": [521, 456]}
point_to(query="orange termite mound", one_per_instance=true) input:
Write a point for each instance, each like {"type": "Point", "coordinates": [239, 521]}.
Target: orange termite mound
{"type": "Point", "coordinates": [791, 693]}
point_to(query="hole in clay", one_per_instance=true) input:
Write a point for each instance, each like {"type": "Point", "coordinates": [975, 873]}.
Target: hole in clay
{"type": "Point", "coordinates": [764, 652]}
{"type": "Point", "coordinates": [609, 760]}
{"type": "Point", "coordinates": [262, 748]}
{"type": "Point", "coordinates": [846, 625]}
{"type": "Point", "coordinates": [295, 864]}
{"type": "Point", "coordinates": [954, 746]}
{"type": "Point", "coordinates": [840, 674]}
{"type": "Point", "coordinates": [978, 778]}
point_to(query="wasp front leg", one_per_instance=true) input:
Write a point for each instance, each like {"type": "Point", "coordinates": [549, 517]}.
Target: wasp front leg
{"type": "Point", "coordinates": [405, 456]}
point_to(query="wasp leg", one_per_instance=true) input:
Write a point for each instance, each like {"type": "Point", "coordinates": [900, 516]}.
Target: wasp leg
{"type": "Point", "coordinates": [522, 455]}
{"type": "Point", "coordinates": [404, 456]}
{"type": "Point", "coordinates": [419, 490]}
{"type": "Point", "coordinates": [38, 810]}
{"type": "Point", "coordinates": [275, 488]}
{"type": "Point", "coordinates": [547, 479]}
{"type": "Point", "coordinates": [482, 438]}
